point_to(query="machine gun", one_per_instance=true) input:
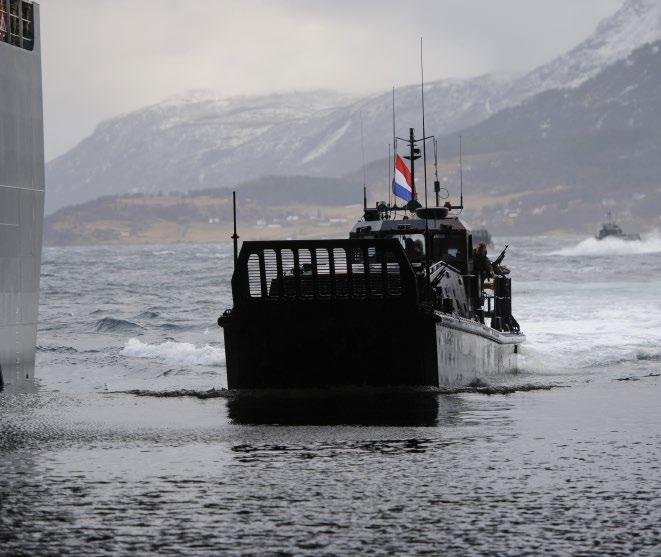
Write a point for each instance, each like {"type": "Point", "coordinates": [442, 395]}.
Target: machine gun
{"type": "Point", "coordinates": [499, 269]}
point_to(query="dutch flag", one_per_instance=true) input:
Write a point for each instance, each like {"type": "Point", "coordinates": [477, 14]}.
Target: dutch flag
{"type": "Point", "coordinates": [402, 186]}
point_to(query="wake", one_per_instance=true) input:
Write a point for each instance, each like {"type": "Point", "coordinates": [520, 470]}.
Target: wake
{"type": "Point", "coordinates": [650, 243]}
{"type": "Point", "coordinates": [175, 353]}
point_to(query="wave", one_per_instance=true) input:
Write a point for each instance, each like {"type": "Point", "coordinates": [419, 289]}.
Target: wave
{"type": "Point", "coordinates": [175, 353]}
{"type": "Point", "coordinates": [612, 246]}
{"type": "Point", "coordinates": [171, 327]}
{"type": "Point", "coordinates": [112, 325]}
{"type": "Point", "coordinates": [148, 314]}
{"type": "Point", "coordinates": [58, 349]}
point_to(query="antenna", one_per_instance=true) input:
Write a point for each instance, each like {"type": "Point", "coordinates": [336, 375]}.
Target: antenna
{"type": "Point", "coordinates": [437, 184]}
{"type": "Point", "coordinates": [394, 144]}
{"type": "Point", "coordinates": [424, 135]}
{"type": "Point", "coordinates": [235, 236]}
{"type": "Point", "coordinates": [461, 178]}
{"type": "Point", "coordinates": [362, 148]}
{"type": "Point", "coordinates": [424, 164]}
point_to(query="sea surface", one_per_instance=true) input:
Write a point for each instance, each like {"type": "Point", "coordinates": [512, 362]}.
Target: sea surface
{"type": "Point", "coordinates": [561, 458]}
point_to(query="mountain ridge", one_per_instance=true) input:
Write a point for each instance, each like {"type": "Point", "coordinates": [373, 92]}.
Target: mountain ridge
{"type": "Point", "coordinates": [201, 140]}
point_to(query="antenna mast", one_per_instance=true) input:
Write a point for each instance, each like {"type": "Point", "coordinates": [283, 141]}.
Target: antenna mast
{"type": "Point", "coordinates": [235, 236]}
{"type": "Point", "coordinates": [394, 145]}
{"type": "Point", "coordinates": [461, 178]}
{"type": "Point", "coordinates": [424, 164]}
{"type": "Point", "coordinates": [362, 148]}
{"type": "Point", "coordinates": [424, 135]}
{"type": "Point", "coordinates": [437, 184]}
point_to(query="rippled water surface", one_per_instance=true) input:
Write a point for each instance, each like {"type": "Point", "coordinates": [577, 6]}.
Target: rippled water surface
{"type": "Point", "coordinates": [573, 469]}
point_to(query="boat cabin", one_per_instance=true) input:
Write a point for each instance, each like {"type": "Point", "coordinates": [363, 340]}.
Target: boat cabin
{"type": "Point", "coordinates": [450, 240]}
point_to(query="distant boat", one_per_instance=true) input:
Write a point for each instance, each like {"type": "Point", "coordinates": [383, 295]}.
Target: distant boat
{"type": "Point", "coordinates": [611, 230]}
{"type": "Point", "coordinates": [481, 235]}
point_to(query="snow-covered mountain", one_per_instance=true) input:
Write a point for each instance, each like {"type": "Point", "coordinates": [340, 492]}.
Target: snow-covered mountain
{"type": "Point", "coordinates": [636, 23]}
{"type": "Point", "coordinates": [199, 140]}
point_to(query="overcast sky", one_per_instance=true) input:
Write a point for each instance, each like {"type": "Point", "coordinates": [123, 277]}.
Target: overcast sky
{"type": "Point", "coordinates": [105, 57]}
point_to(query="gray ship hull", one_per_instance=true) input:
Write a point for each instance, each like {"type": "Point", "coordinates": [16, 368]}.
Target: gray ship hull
{"type": "Point", "coordinates": [21, 200]}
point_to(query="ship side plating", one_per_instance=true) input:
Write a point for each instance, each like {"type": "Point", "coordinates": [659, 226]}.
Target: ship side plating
{"type": "Point", "coordinates": [22, 187]}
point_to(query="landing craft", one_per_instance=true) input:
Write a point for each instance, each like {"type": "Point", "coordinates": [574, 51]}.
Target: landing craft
{"type": "Point", "coordinates": [398, 303]}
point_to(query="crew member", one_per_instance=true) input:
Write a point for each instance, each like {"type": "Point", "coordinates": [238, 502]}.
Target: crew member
{"type": "Point", "coordinates": [481, 263]}
{"type": "Point", "coordinates": [414, 249]}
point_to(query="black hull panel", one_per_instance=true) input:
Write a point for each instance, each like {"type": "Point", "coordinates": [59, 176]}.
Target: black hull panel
{"type": "Point", "coordinates": [331, 345]}
{"type": "Point", "coordinates": [337, 345]}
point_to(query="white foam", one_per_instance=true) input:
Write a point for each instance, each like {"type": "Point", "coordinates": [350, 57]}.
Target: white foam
{"type": "Point", "coordinates": [613, 246]}
{"type": "Point", "coordinates": [175, 353]}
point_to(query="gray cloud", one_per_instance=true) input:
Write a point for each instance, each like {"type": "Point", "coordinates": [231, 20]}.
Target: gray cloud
{"type": "Point", "coordinates": [103, 57]}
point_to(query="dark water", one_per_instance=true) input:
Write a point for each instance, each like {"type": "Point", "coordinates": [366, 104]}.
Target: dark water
{"type": "Point", "coordinates": [569, 470]}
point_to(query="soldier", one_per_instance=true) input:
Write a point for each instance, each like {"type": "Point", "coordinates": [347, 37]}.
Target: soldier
{"type": "Point", "coordinates": [481, 263]}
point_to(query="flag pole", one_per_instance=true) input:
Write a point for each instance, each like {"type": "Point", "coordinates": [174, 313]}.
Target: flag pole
{"type": "Point", "coordinates": [389, 179]}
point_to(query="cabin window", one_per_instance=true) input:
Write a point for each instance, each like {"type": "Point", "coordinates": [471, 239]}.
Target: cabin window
{"type": "Point", "coordinates": [17, 23]}
{"type": "Point", "coordinates": [414, 246]}
{"type": "Point", "coordinates": [449, 248]}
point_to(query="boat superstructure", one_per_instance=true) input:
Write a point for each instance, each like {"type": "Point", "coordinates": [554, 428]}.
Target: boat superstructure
{"type": "Point", "coordinates": [400, 302]}
{"type": "Point", "coordinates": [21, 187]}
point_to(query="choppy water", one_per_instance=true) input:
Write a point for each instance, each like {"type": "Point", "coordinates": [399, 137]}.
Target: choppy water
{"type": "Point", "coordinates": [571, 470]}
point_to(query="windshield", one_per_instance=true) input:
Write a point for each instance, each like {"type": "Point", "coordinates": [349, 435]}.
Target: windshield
{"type": "Point", "coordinates": [413, 244]}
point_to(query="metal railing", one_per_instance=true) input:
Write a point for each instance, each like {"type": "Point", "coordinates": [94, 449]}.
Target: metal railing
{"type": "Point", "coordinates": [298, 270]}
{"type": "Point", "coordinates": [501, 311]}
